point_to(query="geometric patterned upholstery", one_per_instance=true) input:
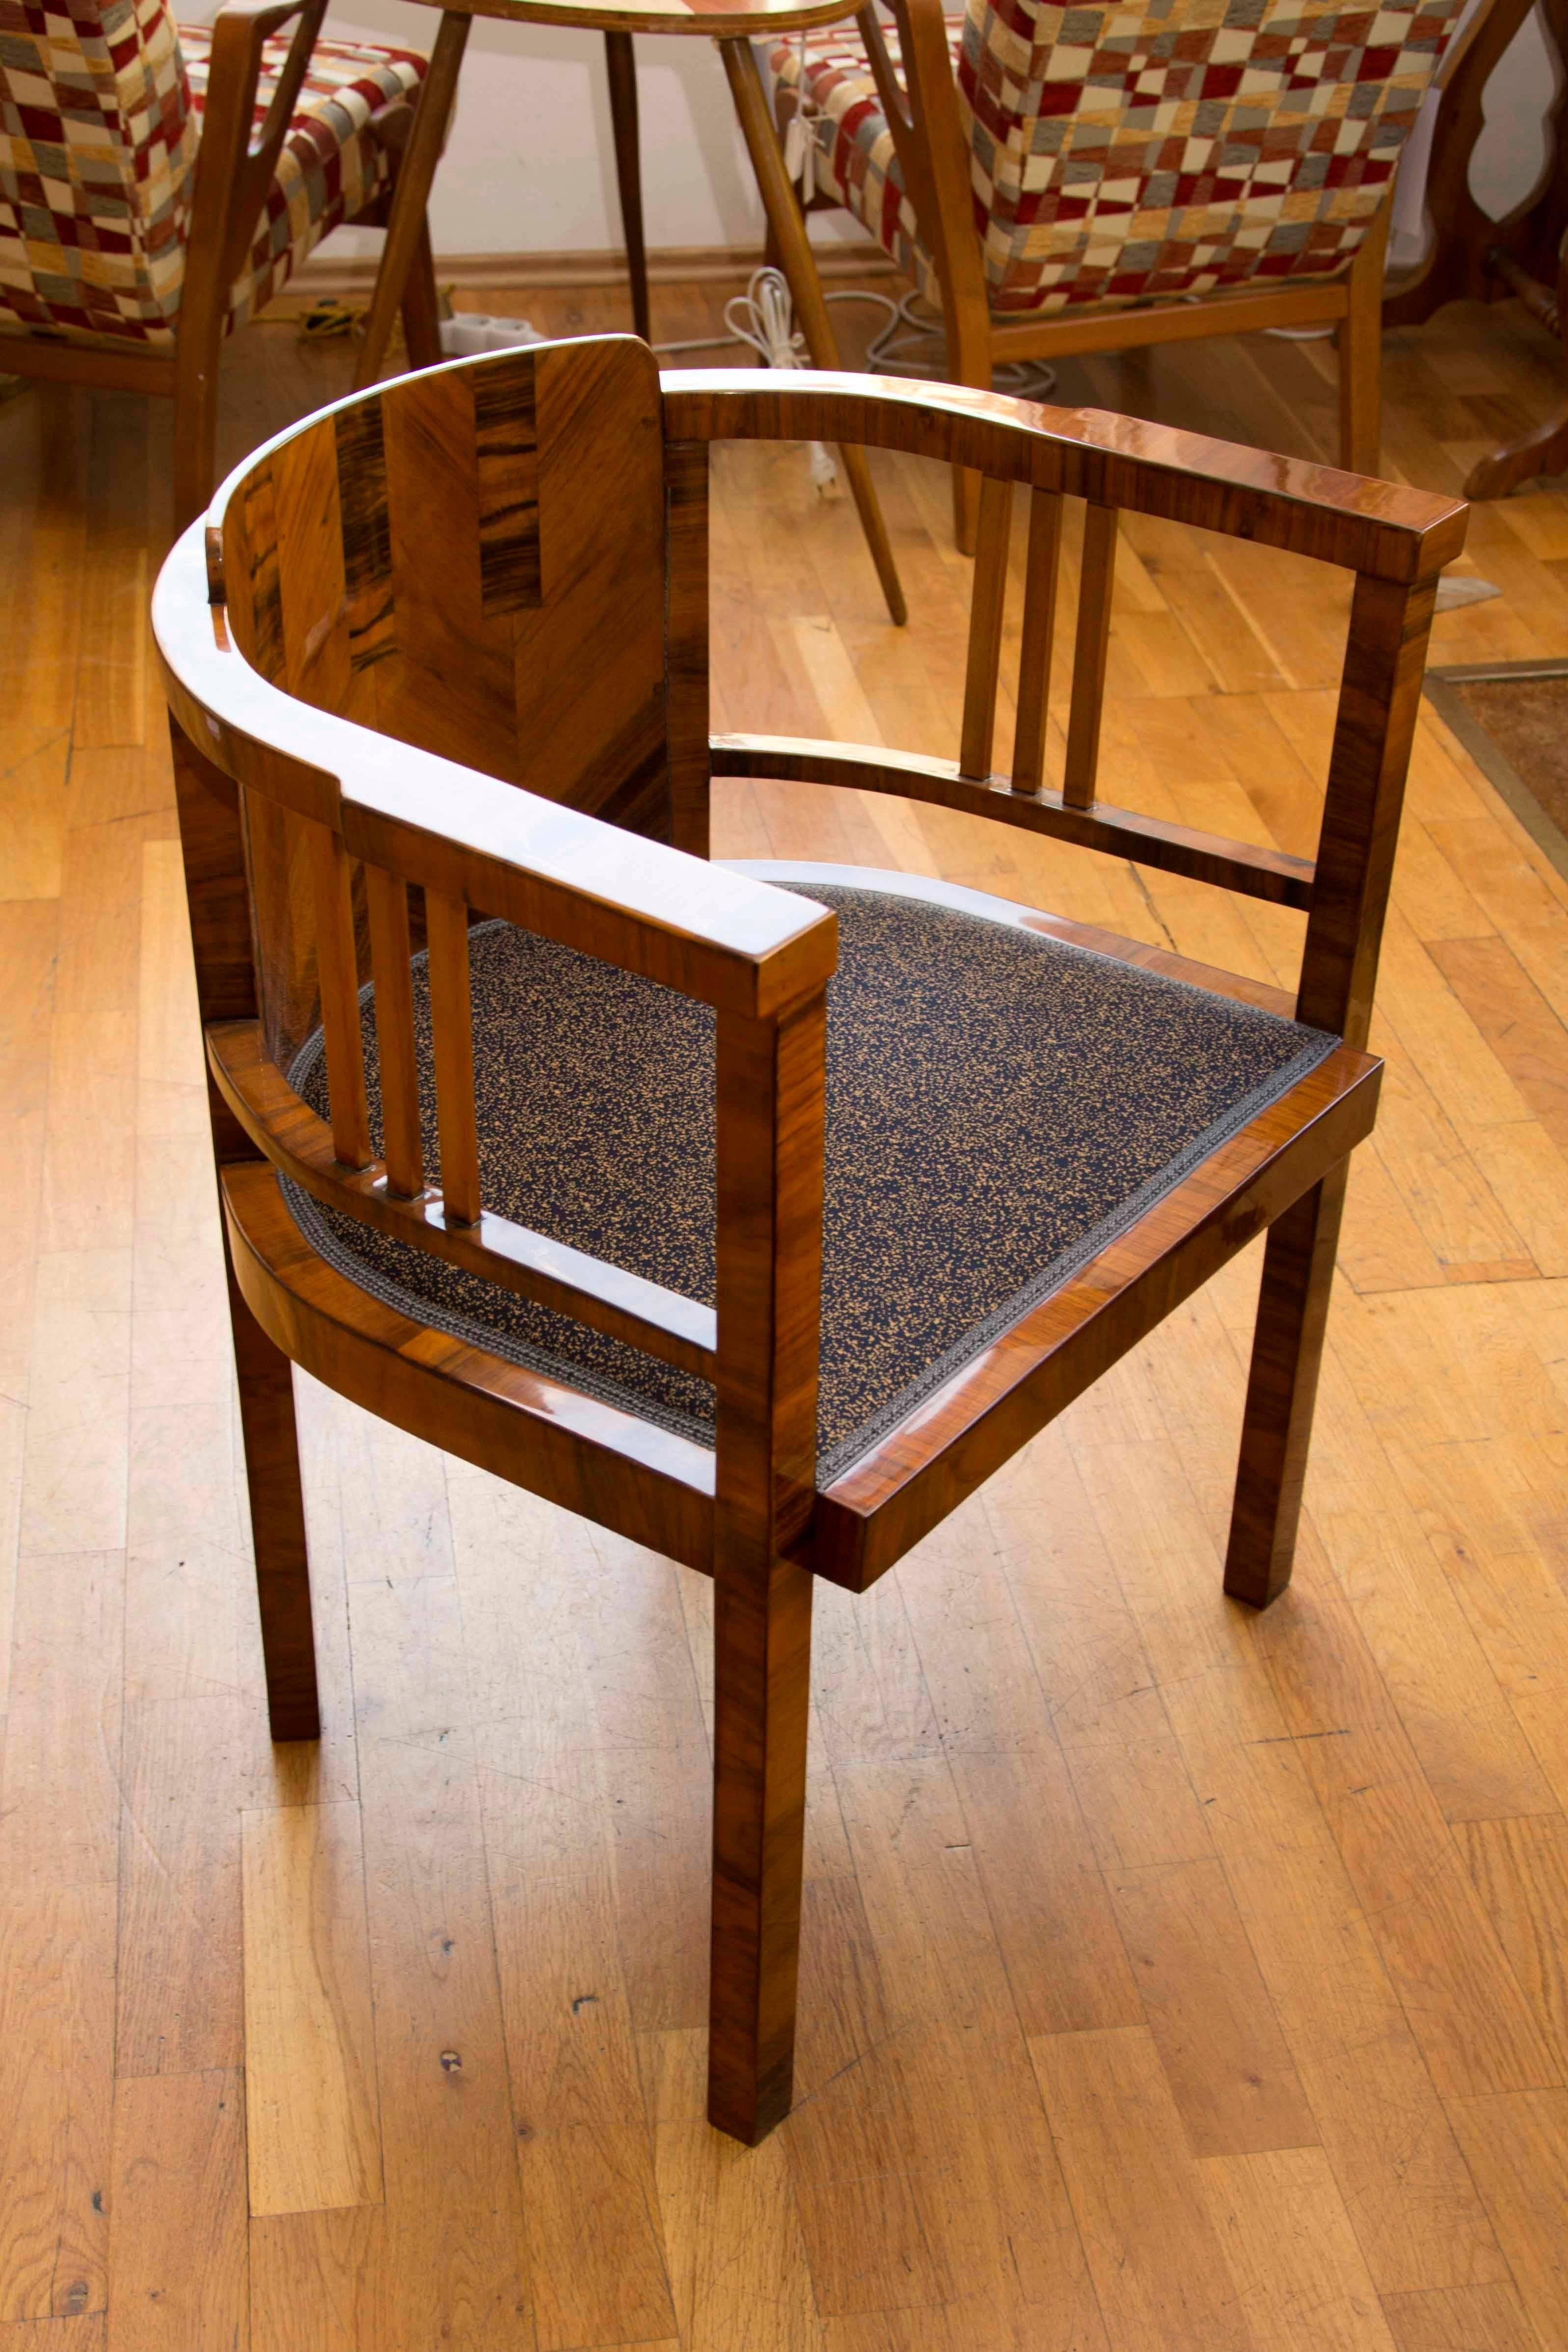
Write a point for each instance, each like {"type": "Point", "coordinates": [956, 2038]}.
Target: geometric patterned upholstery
{"type": "Point", "coordinates": [329, 168]}
{"type": "Point", "coordinates": [99, 120]}
{"type": "Point", "coordinates": [1122, 153]}
{"type": "Point", "coordinates": [97, 151]}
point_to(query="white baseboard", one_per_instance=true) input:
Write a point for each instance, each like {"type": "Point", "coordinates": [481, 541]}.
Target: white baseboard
{"type": "Point", "coordinates": [507, 273]}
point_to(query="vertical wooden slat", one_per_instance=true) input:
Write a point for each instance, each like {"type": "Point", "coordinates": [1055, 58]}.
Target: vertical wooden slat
{"type": "Point", "coordinates": [770, 1144]}
{"type": "Point", "coordinates": [338, 969]}
{"type": "Point", "coordinates": [686, 689]}
{"type": "Point", "coordinates": [390, 949]}
{"type": "Point", "coordinates": [985, 605]}
{"type": "Point", "coordinates": [1039, 626]}
{"type": "Point", "coordinates": [1095, 586]}
{"type": "Point", "coordinates": [451, 1020]}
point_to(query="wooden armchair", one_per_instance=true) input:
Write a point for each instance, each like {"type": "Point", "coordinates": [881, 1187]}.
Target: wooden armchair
{"type": "Point", "coordinates": [163, 181]}
{"type": "Point", "coordinates": [554, 1192]}
{"type": "Point", "coordinates": [1092, 180]}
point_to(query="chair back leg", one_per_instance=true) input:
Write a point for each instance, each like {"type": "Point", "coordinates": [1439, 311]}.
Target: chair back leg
{"type": "Point", "coordinates": [421, 307]}
{"type": "Point", "coordinates": [1281, 1389]}
{"type": "Point", "coordinates": [212, 846]}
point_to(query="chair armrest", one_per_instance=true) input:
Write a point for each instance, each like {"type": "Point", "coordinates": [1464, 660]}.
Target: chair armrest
{"type": "Point", "coordinates": [1381, 528]}
{"type": "Point", "coordinates": [737, 944]}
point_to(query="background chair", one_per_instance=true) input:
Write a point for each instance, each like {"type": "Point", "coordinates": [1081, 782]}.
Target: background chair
{"type": "Point", "coordinates": [159, 184]}
{"type": "Point", "coordinates": [1091, 181]}
{"type": "Point", "coordinates": [556, 1196]}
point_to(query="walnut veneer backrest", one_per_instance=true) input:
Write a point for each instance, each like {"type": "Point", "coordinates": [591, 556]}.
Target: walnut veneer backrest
{"type": "Point", "coordinates": [472, 561]}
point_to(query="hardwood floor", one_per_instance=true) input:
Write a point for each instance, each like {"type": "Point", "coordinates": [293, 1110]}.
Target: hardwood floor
{"type": "Point", "coordinates": [1174, 1978]}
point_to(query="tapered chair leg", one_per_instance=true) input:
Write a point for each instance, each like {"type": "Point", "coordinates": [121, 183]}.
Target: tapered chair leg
{"type": "Point", "coordinates": [421, 307]}
{"type": "Point", "coordinates": [1281, 1389]}
{"type": "Point", "coordinates": [762, 1704]}
{"type": "Point", "coordinates": [620, 59]}
{"type": "Point", "coordinates": [277, 1524]}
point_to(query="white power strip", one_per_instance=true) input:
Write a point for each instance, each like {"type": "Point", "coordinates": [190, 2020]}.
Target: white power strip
{"type": "Point", "coordinates": [475, 331]}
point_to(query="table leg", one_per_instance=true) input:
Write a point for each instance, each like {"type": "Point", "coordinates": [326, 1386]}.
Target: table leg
{"type": "Point", "coordinates": [628, 169]}
{"type": "Point", "coordinates": [805, 287]}
{"type": "Point", "coordinates": [416, 170]}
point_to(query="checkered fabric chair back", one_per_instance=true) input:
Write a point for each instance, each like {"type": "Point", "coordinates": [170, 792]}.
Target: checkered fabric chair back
{"type": "Point", "coordinates": [98, 150]}
{"type": "Point", "coordinates": [1124, 153]}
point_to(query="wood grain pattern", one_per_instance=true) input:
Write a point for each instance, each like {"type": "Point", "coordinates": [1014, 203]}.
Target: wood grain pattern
{"type": "Point", "coordinates": [177, 2213]}
{"type": "Point", "coordinates": [391, 948]}
{"type": "Point", "coordinates": [1034, 645]}
{"type": "Point", "coordinates": [985, 608]}
{"type": "Point", "coordinates": [1097, 579]}
{"type": "Point", "coordinates": [771, 1085]}
{"type": "Point", "coordinates": [452, 1034]}
{"type": "Point", "coordinates": [312, 2131]}
{"type": "Point", "coordinates": [1114, 2120]}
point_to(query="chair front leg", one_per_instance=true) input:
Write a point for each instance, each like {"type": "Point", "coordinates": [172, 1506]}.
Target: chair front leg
{"type": "Point", "coordinates": [762, 1704]}
{"type": "Point", "coordinates": [1281, 1389]}
{"type": "Point", "coordinates": [770, 1099]}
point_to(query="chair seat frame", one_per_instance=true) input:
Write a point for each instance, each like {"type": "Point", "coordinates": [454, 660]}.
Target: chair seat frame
{"type": "Point", "coordinates": [748, 1513]}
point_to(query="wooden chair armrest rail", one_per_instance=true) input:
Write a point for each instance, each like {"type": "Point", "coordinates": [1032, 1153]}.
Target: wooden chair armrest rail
{"type": "Point", "coordinates": [1379, 528]}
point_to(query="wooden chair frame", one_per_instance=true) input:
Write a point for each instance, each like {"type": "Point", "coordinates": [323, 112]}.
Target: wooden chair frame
{"type": "Point", "coordinates": [932, 148]}
{"type": "Point", "coordinates": [234, 172]}
{"type": "Point", "coordinates": [749, 1514]}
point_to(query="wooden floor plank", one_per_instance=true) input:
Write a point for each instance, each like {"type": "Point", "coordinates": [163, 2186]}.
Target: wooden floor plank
{"type": "Point", "coordinates": [451, 2261]}
{"type": "Point", "coordinates": [1521, 1873]}
{"type": "Point", "coordinates": [1157, 2261]}
{"type": "Point", "coordinates": [1516, 2144]}
{"type": "Point", "coordinates": [310, 2072]}
{"type": "Point", "coordinates": [590, 2206]}
{"type": "Point", "coordinates": [56, 2062]}
{"type": "Point", "coordinates": [177, 2214]}
{"type": "Point", "coordinates": [1288, 2239]}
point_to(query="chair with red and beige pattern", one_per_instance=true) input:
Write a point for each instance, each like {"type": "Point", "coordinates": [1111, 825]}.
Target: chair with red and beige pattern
{"type": "Point", "coordinates": [1092, 178]}
{"type": "Point", "coordinates": [159, 184]}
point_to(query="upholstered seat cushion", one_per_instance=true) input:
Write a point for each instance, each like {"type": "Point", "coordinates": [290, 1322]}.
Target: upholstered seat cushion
{"type": "Point", "coordinates": [999, 1106]}
{"type": "Point", "coordinates": [1119, 155]}
{"type": "Point", "coordinates": [100, 122]}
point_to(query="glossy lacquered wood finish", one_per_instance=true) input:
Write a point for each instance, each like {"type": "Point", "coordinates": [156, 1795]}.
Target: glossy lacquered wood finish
{"type": "Point", "coordinates": [321, 647]}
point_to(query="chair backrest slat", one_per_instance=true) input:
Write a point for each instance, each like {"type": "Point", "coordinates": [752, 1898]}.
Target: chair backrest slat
{"type": "Point", "coordinates": [986, 610]}
{"type": "Point", "coordinates": [452, 1038]}
{"type": "Point", "coordinates": [332, 891]}
{"type": "Point", "coordinates": [1040, 570]}
{"type": "Point", "coordinates": [390, 957]}
{"type": "Point", "coordinates": [1096, 582]}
